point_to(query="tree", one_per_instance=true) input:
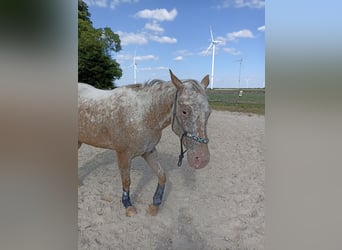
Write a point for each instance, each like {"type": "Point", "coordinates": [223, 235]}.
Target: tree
{"type": "Point", "coordinates": [95, 64]}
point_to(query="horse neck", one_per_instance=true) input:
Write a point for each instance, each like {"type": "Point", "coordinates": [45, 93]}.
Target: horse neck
{"type": "Point", "coordinates": [164, 96]}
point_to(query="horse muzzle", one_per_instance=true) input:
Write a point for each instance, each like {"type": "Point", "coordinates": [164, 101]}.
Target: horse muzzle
{"type": "Point", "coordinates": [199, 156]}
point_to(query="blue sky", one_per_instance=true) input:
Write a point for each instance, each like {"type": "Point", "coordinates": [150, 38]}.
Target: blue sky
{"type": "Point", "coordinates": [175, 34]}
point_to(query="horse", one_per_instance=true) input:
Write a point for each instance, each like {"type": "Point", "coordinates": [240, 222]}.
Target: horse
{"type": "Point", "coordinates": [129, 120]}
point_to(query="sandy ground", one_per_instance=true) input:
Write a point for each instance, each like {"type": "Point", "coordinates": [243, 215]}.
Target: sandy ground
{"type": "Point", "coordinates": [221, 206]}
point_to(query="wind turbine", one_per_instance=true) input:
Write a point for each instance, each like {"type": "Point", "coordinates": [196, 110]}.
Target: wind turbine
{"type": "Point", "coordinates": [240, 60]}
{"type": "Point", "coordinates": [212, 45]}
{"type": "Point", "coordinates": [134, 65]}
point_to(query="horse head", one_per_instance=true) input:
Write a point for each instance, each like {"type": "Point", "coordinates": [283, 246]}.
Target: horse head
{"type": "Point", "coordinates": [191, 111]}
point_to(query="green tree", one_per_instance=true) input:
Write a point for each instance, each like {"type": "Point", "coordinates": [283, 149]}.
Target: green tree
{"type": "Point", "coordinates": [95, 64]}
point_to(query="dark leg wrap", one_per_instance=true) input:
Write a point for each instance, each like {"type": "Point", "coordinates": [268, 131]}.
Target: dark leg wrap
{"type": "Point", "coordinates": [126, 201]}
{"type": "Point", "coordinates": [158, 195]}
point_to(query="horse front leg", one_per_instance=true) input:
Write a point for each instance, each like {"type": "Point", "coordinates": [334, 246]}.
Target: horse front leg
{"type": "Point", "coordinates": [125, 166]}
{"type": "Point", "coordinates": [152, 159]}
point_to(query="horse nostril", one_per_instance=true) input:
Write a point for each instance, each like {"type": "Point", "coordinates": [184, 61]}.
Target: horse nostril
{"type": "Point", "coordinates": [197, 160]}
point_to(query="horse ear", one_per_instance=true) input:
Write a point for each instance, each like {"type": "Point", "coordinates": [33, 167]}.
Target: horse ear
{"type": "Point", "coordinates": [176, 81]}
{"type": "Point", "coordinates": [205, 81]}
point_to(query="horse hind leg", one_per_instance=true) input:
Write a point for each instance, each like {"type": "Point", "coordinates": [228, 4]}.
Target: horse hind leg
{"type": "Point", "coordinates": [124, 166]}
{"type": "Point", "coordinates": [151, 159]}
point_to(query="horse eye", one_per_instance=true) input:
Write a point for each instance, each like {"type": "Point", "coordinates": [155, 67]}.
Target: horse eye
{"type": "Point", "coordinates": [184, 112]}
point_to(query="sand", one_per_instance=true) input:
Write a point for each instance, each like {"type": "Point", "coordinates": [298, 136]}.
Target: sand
{"type": "Point", "coordinates": [221, 206]}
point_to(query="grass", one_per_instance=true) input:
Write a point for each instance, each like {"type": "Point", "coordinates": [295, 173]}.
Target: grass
{"type": "Point", "coordinates": [251, 101]}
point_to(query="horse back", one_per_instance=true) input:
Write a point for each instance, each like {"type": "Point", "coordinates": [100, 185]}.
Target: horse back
{"type": "Point", "coordinates": [115, 119]}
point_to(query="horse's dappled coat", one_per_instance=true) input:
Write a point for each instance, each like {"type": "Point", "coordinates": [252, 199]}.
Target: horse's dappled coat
{"type": "Point", "coordinates": [130, 120]}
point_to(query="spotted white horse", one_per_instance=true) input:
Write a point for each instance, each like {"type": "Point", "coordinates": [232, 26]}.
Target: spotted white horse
{"type": "Point", "coordinates": [130, 120]}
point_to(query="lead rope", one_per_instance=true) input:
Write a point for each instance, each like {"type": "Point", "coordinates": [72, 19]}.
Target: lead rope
{"type": "Point", "coordinates": [182, 152]}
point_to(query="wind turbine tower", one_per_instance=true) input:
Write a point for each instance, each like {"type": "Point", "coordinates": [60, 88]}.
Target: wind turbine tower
{"type": "Point", "coordinates": [134, 66]}
{"type": "Point", "coordinates": [240, 60]}
{"type": "Point", "coordinates": [212, 45]}
{"type": "Point", "coordinates": [134, 70]}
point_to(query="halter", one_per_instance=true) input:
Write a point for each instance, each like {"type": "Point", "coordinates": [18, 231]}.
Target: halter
{"type": "Point", "coordinates": [185, 133]}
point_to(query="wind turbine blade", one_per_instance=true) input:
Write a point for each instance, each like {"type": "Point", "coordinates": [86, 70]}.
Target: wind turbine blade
{"type": "Point", "coordinates": [211, 35]}
{"type": "Point", "coordinates": [135, 55]}
{"type": "Point", "coordinates": [210, 46]}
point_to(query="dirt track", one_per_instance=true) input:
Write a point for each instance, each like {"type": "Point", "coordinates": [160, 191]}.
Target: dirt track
{"type": "Point", "coordinates": [218, 207]}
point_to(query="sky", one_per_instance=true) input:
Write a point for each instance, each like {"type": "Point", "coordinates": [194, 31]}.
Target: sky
{"type": "Point", "coordinates": [175, 34]}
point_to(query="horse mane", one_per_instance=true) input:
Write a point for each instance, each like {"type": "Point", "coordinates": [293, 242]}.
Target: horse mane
{"type": "Point", "coordinates": [147, 85]}
{"type": "Point", "coordinates": [133, 86]}
{"type": "Point", "coordinates": [196, 85]}
{"type": "Point", "coordinates": [150, 84]}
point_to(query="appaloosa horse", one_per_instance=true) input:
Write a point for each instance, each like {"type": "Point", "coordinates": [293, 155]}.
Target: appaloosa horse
{"type": "Point", "coordinates": [130, 120]}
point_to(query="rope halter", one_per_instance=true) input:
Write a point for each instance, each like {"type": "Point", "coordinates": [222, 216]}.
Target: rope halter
{"type": "Point", "coordinates": [184, 134]}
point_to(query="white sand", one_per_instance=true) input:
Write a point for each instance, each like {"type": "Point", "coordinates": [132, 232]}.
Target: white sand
{"type": "Point", "coordinates": [218, 207]}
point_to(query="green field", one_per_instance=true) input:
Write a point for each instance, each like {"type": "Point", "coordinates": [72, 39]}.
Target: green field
{"type": "Point", "coordinates": [251, 101]}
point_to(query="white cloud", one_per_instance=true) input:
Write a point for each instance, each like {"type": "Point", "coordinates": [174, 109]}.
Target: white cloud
{"type": "Point", "coordinates": [184, 52]}
{"type": "Point", "coordinates": [207, 52]}
{"type": "Point", "coordinates": [157, 14]}
{"type": "Point", "coordinates": [256, 4]}
{"type": "Point", "coordinates": [250, 3]}
{"type": "Point", "coordinates": [105, 3]}
{"type": "Point", "coordinates": [163, 39]}
{"type": "Point", "coordinates": [234, 36]}
{"type": "Point", "coordinates": [132, 38]}
{"type": "Point", "coordinates": [178, 58]}
{"type": "Point", "coordinates": [146, 58]}
{"type": "Point", "coordinates": [142, 38]}
{"type": "Point", "coordinates": [115, 3]}
{"type": "Point", "coordinates": [261, 28]}
{"type": "Point", "coordinates": [180, 54]}
{"type": "Point", "coordinates": [154, 68]}
{"type": "Point", "coordinates": [128, 57]}
{"type": "Point", "coordinates": [98, 3]}
{"type": "Point", "coordinates": [222, 41]}
{"type": "Point", "coordinates": [240, 34]}
{"type": "Point", "coordinates": [123, 57]}
{"type": "Point", "coordinates": [154, 26]}
{"type": "Point", "coordinates": [232, 51]}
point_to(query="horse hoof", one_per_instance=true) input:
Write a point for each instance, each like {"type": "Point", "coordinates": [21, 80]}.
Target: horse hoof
{"type": "Point", "coordinates": [153, 210]}
{"type": "Point", "coordinates": [131, 211]}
